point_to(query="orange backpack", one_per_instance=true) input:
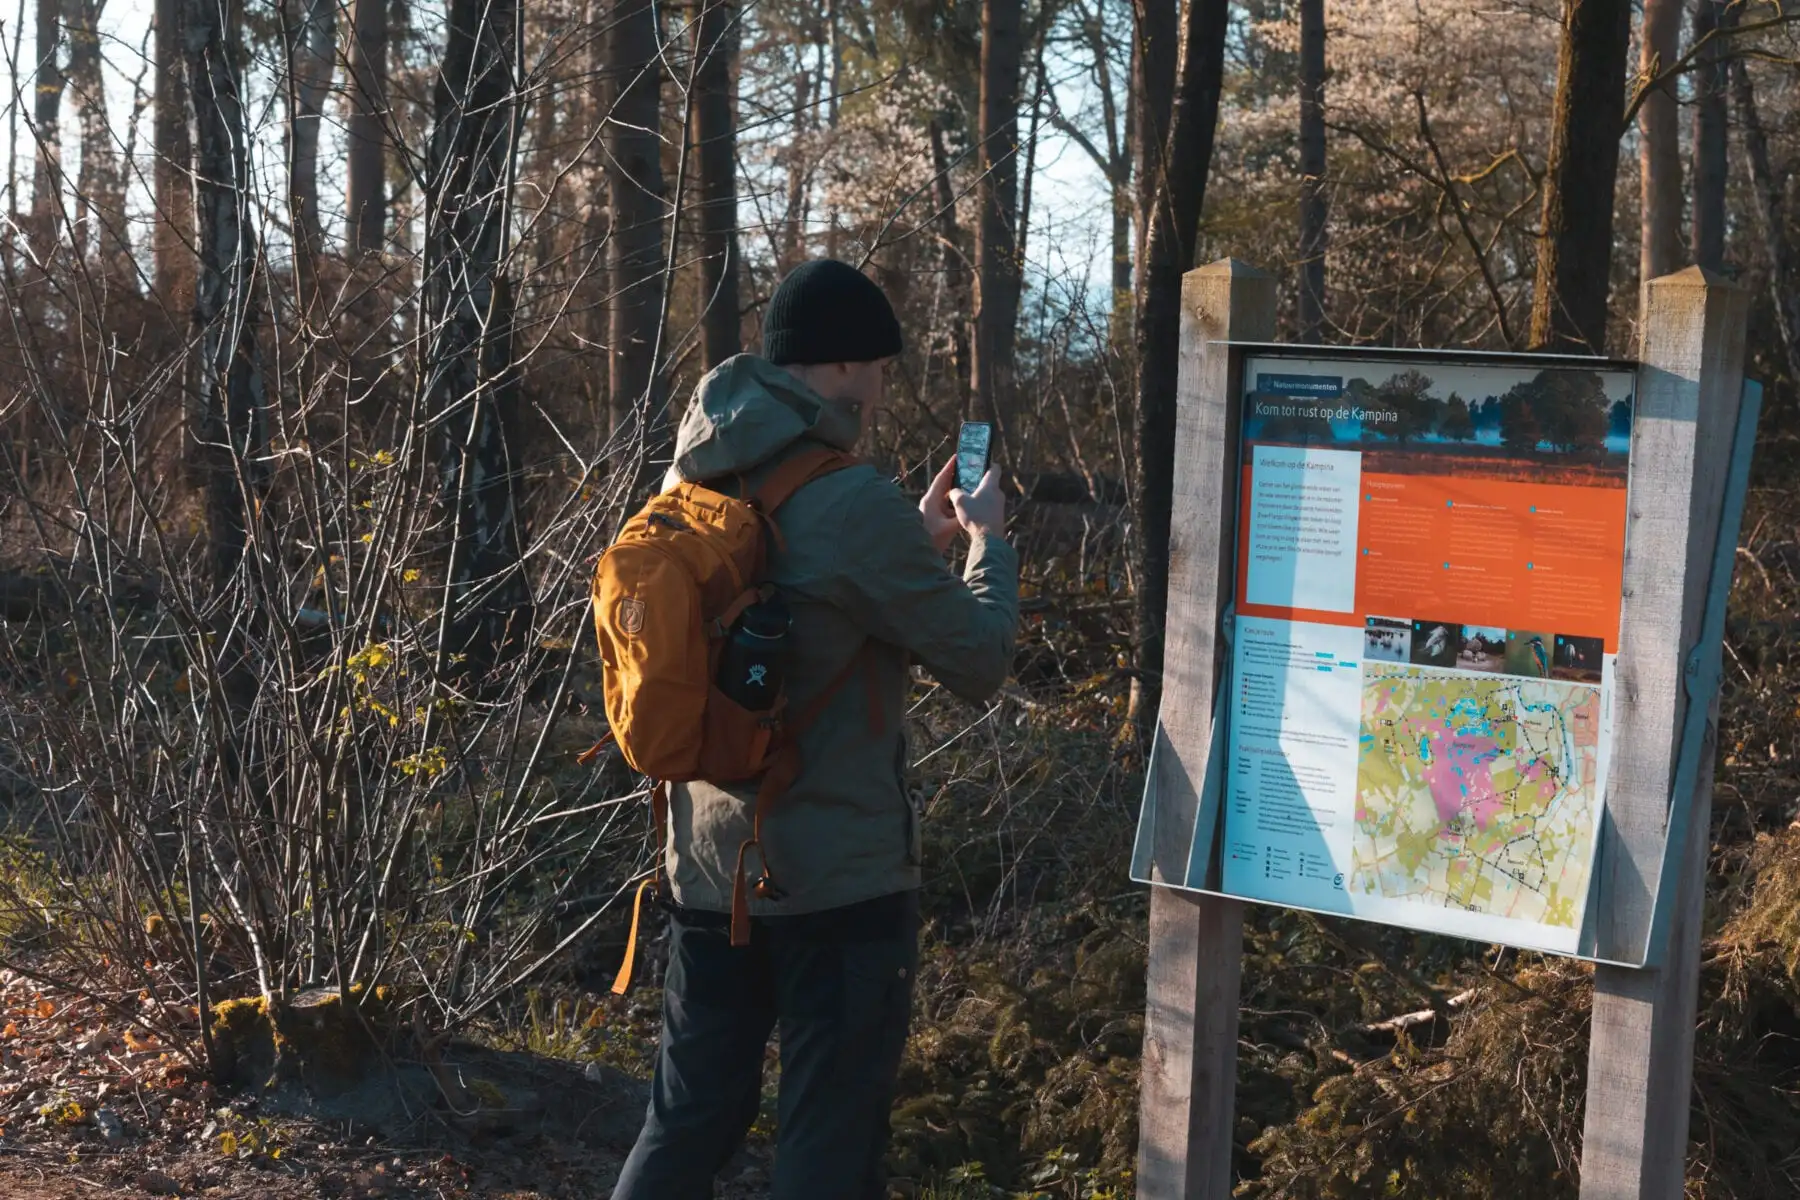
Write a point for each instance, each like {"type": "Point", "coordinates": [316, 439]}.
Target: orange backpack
{"type": "Point", "coordinates": [666, 594]}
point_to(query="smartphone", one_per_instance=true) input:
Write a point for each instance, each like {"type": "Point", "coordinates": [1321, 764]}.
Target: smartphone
{"type": "Point", "coordinates": [972, 453]}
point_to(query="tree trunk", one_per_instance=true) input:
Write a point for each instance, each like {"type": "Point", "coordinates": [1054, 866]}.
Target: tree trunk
{"type": "Point", "coordinates": [310, 30]}
{"type": "Point", "coordinates": [996, 228]}
{"type": "Point", "coordinates": [1712, 83]}
{"type": "Point", "coordinates": [592, 280]}
{"type": "Point", "coordinates": [1153, 62]}
{"type": "Point", "coordinates": [100, 183]}
{"type": "Point", "coordinates": [793, 247]}
{"type": "Point", "coordinates": [468, 322]}
{"type": "Point", "coordinates": [1771, 218]}
{"type": "Point", "coordinates": [635, 249]}
{"type": "Point", "coordinates": [1659, 145]}
{"type": "Point", "coordinates": [1038, 87]}
{"type": "Point", "coordinates": [1568, 310]}
{"type": "Point", "coordinates": [1173, 219]}
{"type": "Point", "coordinates": [229, 421]}
{"type": "Point", "coordinates": [833, 72]}
{"type": "Point", "coordinates": [1312, 170]}
{"type": "Point", "coordinates": [716, 37]}
{"type": "Point", "coordinates": [172, 242]}
{"type": "Point", "coordinates": [365, 184]}
{"type": "Point", "coordinates": [1123, 209]}
{"type": "Point", "coordinates": [46, 179]}
{"type": "Point", "coordinates": [955, 263]}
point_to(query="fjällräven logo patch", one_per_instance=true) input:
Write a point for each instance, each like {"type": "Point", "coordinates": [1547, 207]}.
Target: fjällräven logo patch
{"type": "Point", "coordinates": [631, 614]}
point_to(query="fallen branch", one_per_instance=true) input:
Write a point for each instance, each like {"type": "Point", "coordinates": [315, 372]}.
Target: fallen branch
{"type": "Point", "coordinates": [1412, 1020]}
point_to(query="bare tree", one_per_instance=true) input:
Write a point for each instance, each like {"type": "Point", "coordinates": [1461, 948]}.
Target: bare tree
{"type": "Point", "coordinates": [1771, 215]}
{"type": "Point", "coordinates": [955, 263]}
{"type": "Point", "coordinates": [366, 130]}
{"type": "Point", "coordinates": [714, 118]}
{"type": "Point", "coordinates": [173, 236]}
{"type": "Point", "coordinates": [100, 182]}
{"type": "Point", "coordinates": [799, 171]}
{"type": "Point", "coordinates": [1312, 170]}
{"type": "Point", "coordinates": [635, 183]}
{"type": "Point", "coordinates": [365, 175]}
{"type": "Point", "coordinates": [1712, 84]}
{"type": "Point", "coordinates": [1568, 310]}
{"type": "Point", "coordinates": [472, 384]}
{"type": "Point", "coordinates": [997, 266]}
{"type": "Point", "coordinates": [309, 34]}
{"type": "Point", "coordinates": [229, 424]}
{"type": "Point", "coordinates": [1112, 155]}
{"type": "Point", "coordinates": [1659, 142]}
{"type": "Point", "coordinates": [47, 175]}
{"type": "Point", "coordinates": [1156, 27]}
{"type": "Point", "coordinates": [1176, 193]}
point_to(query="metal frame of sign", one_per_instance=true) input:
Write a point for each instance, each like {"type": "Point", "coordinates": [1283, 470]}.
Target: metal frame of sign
{"type": "Point", "coordinates": [1203, 873]}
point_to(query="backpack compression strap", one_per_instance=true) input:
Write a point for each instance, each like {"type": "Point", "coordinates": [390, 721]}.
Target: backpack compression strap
{"type": "Point", "coordinates": [782, 772]}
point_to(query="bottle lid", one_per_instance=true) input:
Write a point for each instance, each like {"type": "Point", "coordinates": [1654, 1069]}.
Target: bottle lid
{"type": "Point", "coordinates": [767, 618]}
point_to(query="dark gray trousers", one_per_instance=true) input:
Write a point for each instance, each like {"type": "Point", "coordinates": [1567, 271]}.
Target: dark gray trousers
{"type": "Point", "coordinates": [838, 984]}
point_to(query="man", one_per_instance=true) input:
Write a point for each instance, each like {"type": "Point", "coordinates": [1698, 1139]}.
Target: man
{"type": "Point", "coordinates": [830, 963]}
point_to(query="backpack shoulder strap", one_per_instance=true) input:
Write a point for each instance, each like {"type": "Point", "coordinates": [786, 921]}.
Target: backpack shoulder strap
{"type": "Point", "coordinates": [795, 472]}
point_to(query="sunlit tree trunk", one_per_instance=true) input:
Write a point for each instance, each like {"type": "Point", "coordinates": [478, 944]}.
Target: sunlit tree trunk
{"type": "Point", "coordinates": [1156, 27]}
{"type": "Point", "coordinates": [997, 266]}
{"type": "Point", "coordinates": [716, 37]}
{"type": "Point", "coordinates": [1659, 144]}
{"type": "Point", "coordinates": [793, 240]}
{"type": "Point", "coordinates": [1124, 202]}
{"type": "Point", "coordinates": [1312, 170]}
{"type": "Point", "coordinates": [833, 78]}
{"type": "Point", "coordinates": [100, 183]}
{"type": "Point", "coordinates": [1183, 160]}
{"type": "Point", "coordinates": [172, 239]}
{"type": "Point", "coordinates": [310, 30]}
{"type": "Point", "coordinates": [471, 382]}
{"type": "Point", "coordinates": [47, 176]}
{"type": "Point", "coordinates": [955, 265]}
{"type": "Point", "coordinates": [635, 247]}
{"type": "Point", "coordinates": [229, 422]}
{"type": "Point", "coordinates": [1712, 84]}
{"type": "Point", "coordinates": [1568, 310]}
{"type": "Point", "coordinates": [365, 165]}
{"type": "Point", "coordinates": [1771, 216]}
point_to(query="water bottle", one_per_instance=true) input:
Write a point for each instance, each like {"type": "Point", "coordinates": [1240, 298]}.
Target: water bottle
{"type": "Point", "coordinates": [753, 663]}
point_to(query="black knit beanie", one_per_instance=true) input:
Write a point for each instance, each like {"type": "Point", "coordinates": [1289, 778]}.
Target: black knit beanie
{"type": "Point", "coordinates": [827, 311]}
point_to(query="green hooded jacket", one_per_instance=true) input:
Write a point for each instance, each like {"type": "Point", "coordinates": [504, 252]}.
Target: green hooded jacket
{"type": "Point", "coordinates": [858, 566]}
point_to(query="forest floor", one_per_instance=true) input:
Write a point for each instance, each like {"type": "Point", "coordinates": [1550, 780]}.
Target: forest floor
{"type": "Point", "coordinates": [93, 1106]}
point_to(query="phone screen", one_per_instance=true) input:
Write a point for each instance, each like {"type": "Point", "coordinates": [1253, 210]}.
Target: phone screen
{"type": "Point", "coordinates": [972, 454]}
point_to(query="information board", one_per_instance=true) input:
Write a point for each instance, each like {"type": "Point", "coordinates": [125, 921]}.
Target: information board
{"type": "Point", "coordinates": [1429, 567]}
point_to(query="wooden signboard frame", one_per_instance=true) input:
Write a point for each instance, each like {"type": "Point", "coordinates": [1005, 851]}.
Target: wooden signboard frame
{"type": "Point", "coordinates": [1655, 833]}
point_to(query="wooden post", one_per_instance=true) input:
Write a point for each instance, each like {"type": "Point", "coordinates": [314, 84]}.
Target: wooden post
{"type": "Point", "coordinates": [1189, 1071]}
{"type": "Point", "coordinates": [1640, 1062]}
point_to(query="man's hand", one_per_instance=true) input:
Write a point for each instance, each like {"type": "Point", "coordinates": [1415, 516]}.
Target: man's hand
{"type": "Point", "coordinates": [983, 510]}
{"type": "Point", "coordinates": [941, 521]}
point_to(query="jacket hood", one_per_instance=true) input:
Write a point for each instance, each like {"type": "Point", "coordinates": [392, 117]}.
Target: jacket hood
{"type": "Point", "coordinates": [745, 412]}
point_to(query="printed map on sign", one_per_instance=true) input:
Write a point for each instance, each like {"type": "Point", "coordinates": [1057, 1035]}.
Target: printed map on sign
{"type": "Point", "coordinates": [1478, 794]}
